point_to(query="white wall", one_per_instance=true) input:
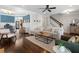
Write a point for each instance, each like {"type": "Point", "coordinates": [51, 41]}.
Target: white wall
{"type": "Point", "coordinates": [35, 17]}
{"type": "Point", "coordinates": [66, 20]}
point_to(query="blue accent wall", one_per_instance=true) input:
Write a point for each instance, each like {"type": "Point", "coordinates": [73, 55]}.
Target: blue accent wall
{"type": "Point", "coordinates": [7, 19]}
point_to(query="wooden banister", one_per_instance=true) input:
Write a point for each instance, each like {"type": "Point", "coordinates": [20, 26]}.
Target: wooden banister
{"type": "Point", "coordinates": [59, 23]}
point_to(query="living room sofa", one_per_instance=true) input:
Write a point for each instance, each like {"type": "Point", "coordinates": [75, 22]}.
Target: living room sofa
{"type": "Point", "coordinates": [73, 47]}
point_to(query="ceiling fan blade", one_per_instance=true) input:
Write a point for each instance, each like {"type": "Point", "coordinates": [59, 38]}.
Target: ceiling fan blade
{"type": "Point", "coordinates": [52, 8]}
{"type": "Point", "coordinates": [49, 10]}
{"type": "Point", "coordinates": [44, 10]}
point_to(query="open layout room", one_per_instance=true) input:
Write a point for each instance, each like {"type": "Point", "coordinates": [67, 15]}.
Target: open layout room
{"type": "Point", "coordinates": [39, 28]}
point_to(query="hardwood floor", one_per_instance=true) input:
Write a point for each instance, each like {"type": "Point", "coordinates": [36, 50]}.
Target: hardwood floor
{"type": "Point", "coordinates": [22, 46]}
{"type": "Point", "coordinates": [15, 48]}
{"type": "Point", "coordinates": [2, 50]}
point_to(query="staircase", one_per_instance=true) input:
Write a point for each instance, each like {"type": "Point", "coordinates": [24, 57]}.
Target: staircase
{"type": "Point", "coordinates": [55, 20]}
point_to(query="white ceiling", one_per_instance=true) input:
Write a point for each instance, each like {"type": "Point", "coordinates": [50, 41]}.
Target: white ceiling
{"type": "Point", "coordinates": [21, 9]}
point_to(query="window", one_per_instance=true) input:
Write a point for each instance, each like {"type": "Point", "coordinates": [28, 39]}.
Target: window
{"type": "Point", "coordinates": [26, 18]}
{"type": "Point", "coordinates": [7, 19]}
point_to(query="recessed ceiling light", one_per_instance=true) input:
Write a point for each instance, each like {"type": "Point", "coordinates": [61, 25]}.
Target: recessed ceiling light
{"type": "Point", "coordinates": [67, 11]}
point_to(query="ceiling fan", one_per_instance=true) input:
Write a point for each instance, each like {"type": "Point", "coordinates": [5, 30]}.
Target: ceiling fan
{"type": "Point", "coordinates": [48, 8]}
